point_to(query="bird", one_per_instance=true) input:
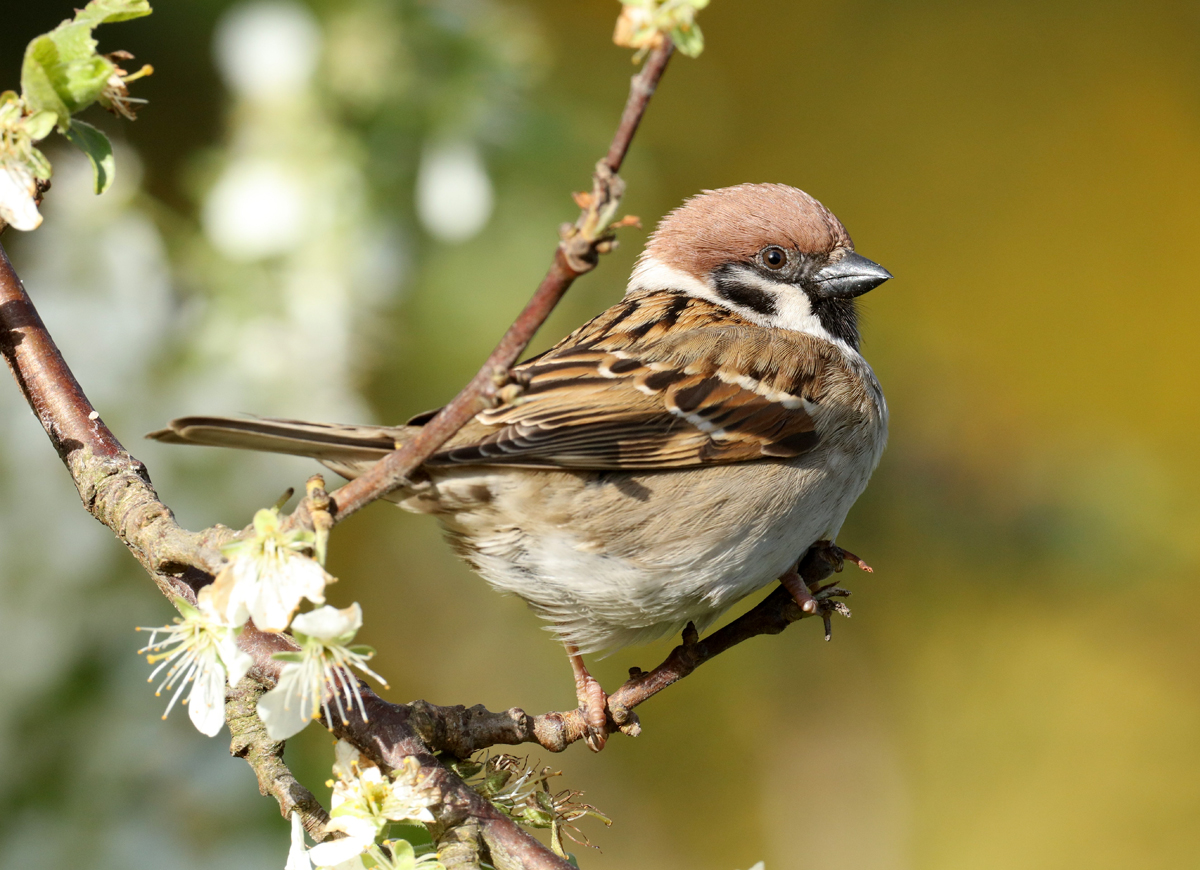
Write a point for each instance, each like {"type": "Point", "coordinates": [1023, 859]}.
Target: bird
{"type": "Point", "coordinates": [669, 457]}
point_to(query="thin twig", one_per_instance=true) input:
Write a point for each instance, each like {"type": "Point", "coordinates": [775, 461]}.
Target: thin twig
{"type": "Point", "coordinates": [462, 731]}
{"type": "Point", "coordinates": [576, 254]}
{"type": "Point", "coordinates": [116, 490]}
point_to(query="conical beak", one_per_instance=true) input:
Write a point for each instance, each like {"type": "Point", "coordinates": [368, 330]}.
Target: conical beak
{"type": "Point", "coordinates": [851, 276]}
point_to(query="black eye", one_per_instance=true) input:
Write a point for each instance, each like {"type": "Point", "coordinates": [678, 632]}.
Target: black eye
{"type": "Point", "coordinates": [774, 257]}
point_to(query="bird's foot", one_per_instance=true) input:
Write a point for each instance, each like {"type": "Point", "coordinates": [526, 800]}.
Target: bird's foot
{"type": "Point", "coordinates": [593, 701]}
{"type": "Point", "coordinates": [823, 601]}
{"type": "Point", "coordinates": [794, 584]}
{"type": "Point", "coordinates": [828, 603]}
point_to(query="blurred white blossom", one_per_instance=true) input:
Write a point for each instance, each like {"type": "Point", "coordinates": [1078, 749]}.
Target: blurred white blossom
{"type": "Point", "coordinates": [199, 648]}
{"type": "Point", "coordinates": [256, 209]}
{"type": "Point", "coordinates": [267, 50]}
{"type": "Point", "coordinates": [319, 672]}
{"type": "Point", "coordinates": [454, 192]}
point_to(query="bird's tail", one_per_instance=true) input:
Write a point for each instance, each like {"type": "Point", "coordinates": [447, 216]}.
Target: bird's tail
{"type": "Point", "coordinates": [339, 446]}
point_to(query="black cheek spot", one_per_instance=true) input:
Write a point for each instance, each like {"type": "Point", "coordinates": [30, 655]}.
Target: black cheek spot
{"type": "Point", "coordinates": [751, 296]}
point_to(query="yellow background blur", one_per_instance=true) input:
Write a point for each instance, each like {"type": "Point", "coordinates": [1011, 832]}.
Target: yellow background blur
{"type": "Point", "coordinates": [1019, 685]}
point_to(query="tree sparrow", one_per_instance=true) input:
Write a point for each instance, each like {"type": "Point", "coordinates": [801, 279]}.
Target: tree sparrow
{"type": "Point", "coordinates": [671, 456]}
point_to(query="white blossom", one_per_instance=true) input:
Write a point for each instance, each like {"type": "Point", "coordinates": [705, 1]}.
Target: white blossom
{"type": "Point", "coordinates": [364, 801]}
{"type": "Point", "coordinates": [17, 190]}
{"type": "Point", "coordinates": [200, 648]}
{"type": "Point", "coordinates": [299, 859]}
{"type": "Point", "coordinates": [319, 672]}
{"type": "Point", "coordinates": [268, 575]}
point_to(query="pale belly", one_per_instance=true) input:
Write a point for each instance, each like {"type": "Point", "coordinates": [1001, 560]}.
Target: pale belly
{"type": "Point", "coordinates": [612, 559]}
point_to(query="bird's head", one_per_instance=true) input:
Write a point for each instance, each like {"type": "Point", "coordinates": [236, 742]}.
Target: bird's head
{"type": "Point", "coordinates": [768, 251]}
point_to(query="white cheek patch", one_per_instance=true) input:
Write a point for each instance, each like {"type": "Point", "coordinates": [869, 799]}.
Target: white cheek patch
{"type": "Point", "coordinates": [652, 274]}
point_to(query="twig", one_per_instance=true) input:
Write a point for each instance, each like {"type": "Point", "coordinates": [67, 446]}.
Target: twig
{"type": "Point", "coordinates": [116, 490]}
{"type": "Point", "coordinates": [462, 731]}
{"type": "Point", "coordinates": [265, 757]}
{"type": "Point", "coordinates": [576, 254]}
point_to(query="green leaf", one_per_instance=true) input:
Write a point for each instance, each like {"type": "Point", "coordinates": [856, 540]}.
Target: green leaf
{"type": "Point", "coordinates": [185, 608]}
{"type": "Point", "coordinates": [288, 657]}
{"type": "Point", "coordinates": [39, 125]}
{"type": "Point", "coordinates": [39, 164]}
{"type": "Point", "coordinates": [61, 72]}
{"type": "Point", "coordinates": [110, 11]}
{"type": "Point", "coordinates": [404, 857]}
{"type": "Point", "coordinates": [689, 40]}
{"type": "Point", "coordinates": [98, 149]}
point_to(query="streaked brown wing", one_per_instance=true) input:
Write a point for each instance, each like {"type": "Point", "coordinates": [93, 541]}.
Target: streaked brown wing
{"type": "Point", "coordinates": [624, 392]}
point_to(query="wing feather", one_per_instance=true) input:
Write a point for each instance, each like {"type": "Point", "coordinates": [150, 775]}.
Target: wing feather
{"type": "Point", "coordinates": [623, 393]}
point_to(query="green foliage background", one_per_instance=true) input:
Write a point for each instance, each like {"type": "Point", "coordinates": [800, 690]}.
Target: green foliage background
{"type": "Point", "coordinates": [1019, 684]}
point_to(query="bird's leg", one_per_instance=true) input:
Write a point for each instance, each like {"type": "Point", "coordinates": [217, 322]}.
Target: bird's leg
{"type": "Point", "coordinates": [822, 600]}
{"type": "Point", "coordinates": [794, 584]}
{"type": "Point", "coordinates": [592, 699]}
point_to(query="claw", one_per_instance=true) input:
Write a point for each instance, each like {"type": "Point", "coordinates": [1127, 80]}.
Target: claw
{"type": "Point", "coordinates": [829, 608]}
{"type": "Point", "coordinates": [861, 563]}
{"type": "Point", "coordinates": [592, 700]}
{"type": "Point", "coordinates": [836, 556]}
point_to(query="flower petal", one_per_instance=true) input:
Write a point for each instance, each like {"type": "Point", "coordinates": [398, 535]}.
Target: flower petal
{"type": "Point", "coordinates": [328, 622]}
{"type": "Point", "coordinates": [281, 585]}
{"type": "Point", "coordinates": [282, 709]}
{"type": "Point", "coordinates": [297, 858]}
{"type": "Point", "coordinates": [17, 205]}
{"type": "Point", "coordinates": [346, 760]}
{"type": "Point", "coordinates": [237, 663]}
{"type": "Point", "coordinates": [225, 598]}
{"type": "Point", "coordinates": [206, 703]}
{"type": "Point", "coordinates": [354, 826]}
{"type": "Point", "coordinates": [333, 852]}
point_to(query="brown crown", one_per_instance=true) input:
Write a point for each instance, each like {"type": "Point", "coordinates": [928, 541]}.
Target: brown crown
{"type": "Point", "coordinates": [735, 223]}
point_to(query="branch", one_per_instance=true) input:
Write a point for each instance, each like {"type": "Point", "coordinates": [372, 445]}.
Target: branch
{"type": "Point", "coordinates": [462, 731]}
{"type": "Point", "coordinates": [265, 757]}
{"type": "Point", "coordinates": [577, 253]}
{"type": "Point", "coordinates": [116, 490]}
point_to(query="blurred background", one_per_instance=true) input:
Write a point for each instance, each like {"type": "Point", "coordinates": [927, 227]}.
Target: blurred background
{"type": "Point", "coordinates": [330, 210]}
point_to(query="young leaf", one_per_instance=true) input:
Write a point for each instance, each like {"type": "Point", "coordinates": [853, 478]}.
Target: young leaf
{"type": "Point", "coordinates": [688, 39]}
{"type": "Point", "coordinates": [39, 125]}
{"type": "Point", "coordinates": [98, 149]}
{"type": "Point", "coordinates": [61, 72]}
{"type": "Point", "coordinates": [110, 11]}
